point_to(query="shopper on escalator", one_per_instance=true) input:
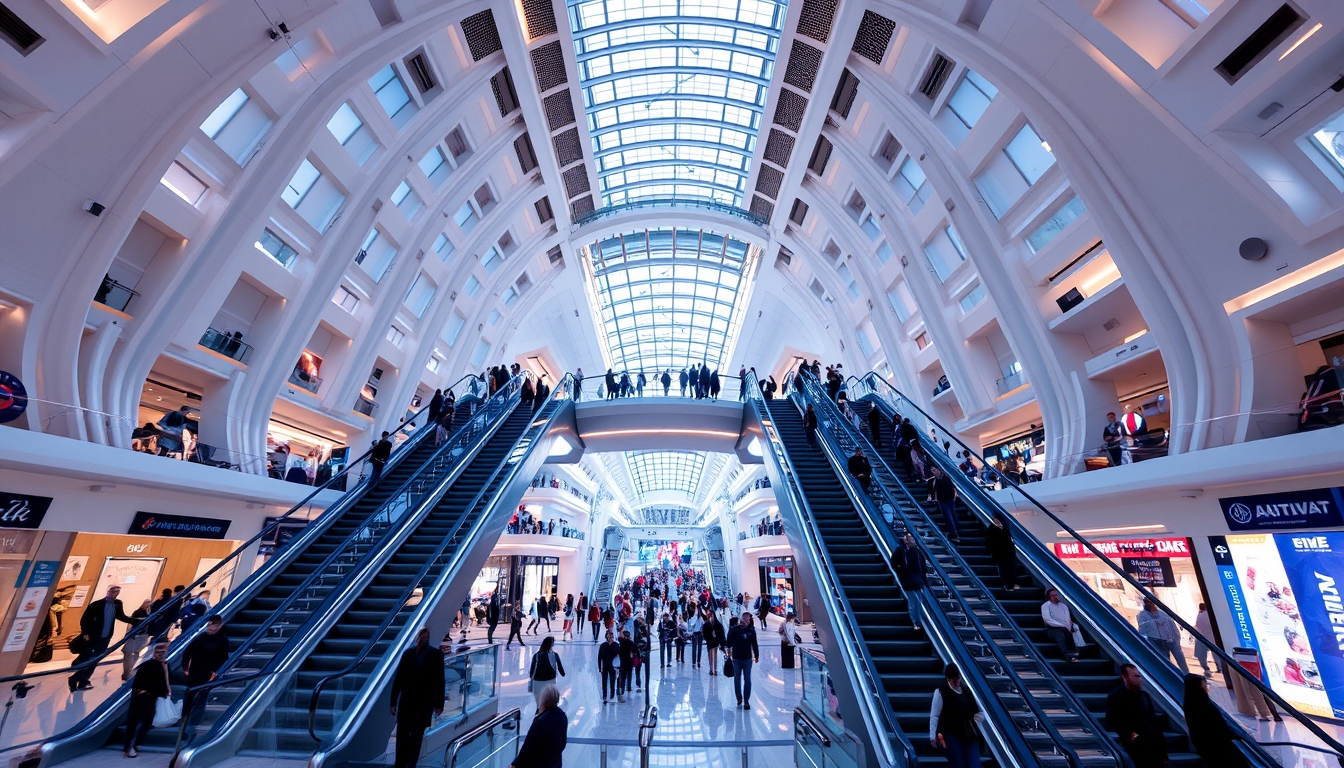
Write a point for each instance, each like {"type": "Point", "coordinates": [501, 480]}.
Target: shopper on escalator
{"type": "Point", "coordinates": [999, 542]}
{"type": "Point", "coordinates": [382, 451]}
{"type": "Point", "coordinates": [943, 492]}
{"type": "Point", "coordinates": [810, 425]}
{"type": "Point", "coordinates": [910, 566]}
{"type": "Point", "coordinates": [1131, 714]}
{"type": "Point", "coordinates": [1211, 736]}
{"type": "Point", "coordinates": [875, 425]}
{"type": "Point", "coordinates": [860, 468]}
{"type": "Point", "coordinates": [1059, 625]}
{"type": "Point", "coordinates": [952, 721]}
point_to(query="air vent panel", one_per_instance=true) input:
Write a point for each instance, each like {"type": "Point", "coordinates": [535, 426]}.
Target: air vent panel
{"type": "Point", "coordinates": [482, 35]}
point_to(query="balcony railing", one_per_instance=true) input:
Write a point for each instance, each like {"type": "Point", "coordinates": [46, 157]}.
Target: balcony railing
{"type": "Point", "coordinates": [226, 344]}
{"type": "Point", "coordinates": [113, 294]}
{"type": "Point", "coordinates": [365, 406]}
{"type": "Point", "coordinates": [731, 210]}
{"type": "Point", "coordinates": [304, 381]}
{"type": "Point", "coordinates": [1010, 382]}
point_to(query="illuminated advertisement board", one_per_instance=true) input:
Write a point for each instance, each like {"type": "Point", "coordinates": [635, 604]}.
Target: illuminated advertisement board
{"type": "Point", "coordinates": [664, 553]}
{"type": "Point", "coordinates": [1284, 593]}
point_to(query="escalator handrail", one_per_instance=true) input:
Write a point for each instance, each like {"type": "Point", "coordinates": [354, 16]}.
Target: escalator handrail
{"type": "Point", "coordinates": [407, 593]}
{"type": "Point", "coordinates": [1034, 551]}
{"type": "Point", "coordinates": [1013, 740]}
{"type": "Point", "coordinates": [501, 397]}
{"type": "Point", "coordinates": [872, 698]}
{"type": "Point", "coordinates": [563, 389]}
{"type": "Point", "coordinates": [402, 452]}
{"type": "Point", "coordinates": [1058, 687]}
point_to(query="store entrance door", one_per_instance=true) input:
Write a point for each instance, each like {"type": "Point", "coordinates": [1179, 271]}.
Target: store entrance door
{"type": "Point", "coordinates": [138, 578]}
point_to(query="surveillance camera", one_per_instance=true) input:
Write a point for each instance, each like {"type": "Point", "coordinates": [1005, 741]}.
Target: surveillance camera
{"type": "Point", "coordinates": [94, 207]}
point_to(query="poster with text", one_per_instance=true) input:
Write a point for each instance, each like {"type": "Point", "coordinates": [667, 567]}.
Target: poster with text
{"type": "Point", "coordinates": [1315, 566]}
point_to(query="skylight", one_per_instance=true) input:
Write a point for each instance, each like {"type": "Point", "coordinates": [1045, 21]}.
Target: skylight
{"type": "Point", "coordinates": [669, 298]}
{"type": "Point", "coordinates": [674, 91]}
{"type": "Point", "coordinates": [665, 471]}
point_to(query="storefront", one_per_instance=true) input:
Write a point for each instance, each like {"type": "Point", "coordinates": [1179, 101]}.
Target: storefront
{"type": "Point", "coordinates": [517, 577]}
{"type": "Point", "coordinates": [777, 581]}
{"type": "Point", "coordinates": [1021, 458]}
{"type": "Point", "coordinates": [1165, 566]}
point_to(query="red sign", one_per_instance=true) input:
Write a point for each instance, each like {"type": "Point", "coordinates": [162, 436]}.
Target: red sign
{"type": "Point", "coordinates": [1126, 548]}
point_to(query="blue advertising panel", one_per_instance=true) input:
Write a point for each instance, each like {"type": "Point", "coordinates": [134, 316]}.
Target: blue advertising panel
{"type": "Point", "coordinates": [1315, 566]}
{"type": "Point", "coordinates": [44, 573]}
{"type": "Point", "coordinates": [1316, 508]}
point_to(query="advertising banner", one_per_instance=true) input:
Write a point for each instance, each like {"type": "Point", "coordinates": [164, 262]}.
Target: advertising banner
{"type": "Point", "coordinates": [1317, 508]}
{"type": "Point", "coordinates": [1150, 571]}
{"type": "Point", "coordinates": [19, 510]}
{"type": "Point", "coordinates": [152, 524]}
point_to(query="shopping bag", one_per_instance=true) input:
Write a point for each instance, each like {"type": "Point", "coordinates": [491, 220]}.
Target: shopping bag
{"type": "Point", "coordinates": [727, 667]}
{"type": "Point", "coordinates": [1078, 637]}
{"type": "Point", "coordinates": [166, 712]}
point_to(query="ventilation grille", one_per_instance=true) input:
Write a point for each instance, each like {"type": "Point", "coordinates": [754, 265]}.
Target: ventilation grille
{"type": "Point", "coordinates": [544, 212]}
{"type": "Point", "coordinates": [784, 258]}
{"type": "Point", "coordinates": [482, 35]}
{"type": "Point", "coordinates": [16, 32]}
{"type": "Point", "coordinates": [568, 148]}
{"type": "Point", "coordinates": [934, 77]}
{"type": "Point", "coordinates": [1254, 48]}
{"type": "Point", "coordinates": [874, 36]}
{"type": "Point", "coordinates": [527, 156]}
{"type": "Point", "coordinates": [768, 180]}
{"type": "Point", "coordinates": [505, 96]}
{"type": "Point", "coordinates": [821, 154]}
{"type": "Point", "coordinates": [762, 207]}
{"type": "Point", "coordinates": [804, 61]}
{"type": "Point", "coordinates": [582, 206]}
{"type": "Point", "coordinates": [559, 110]}
{"type": "Point", "coordinates": [576, 181]}
{"type": "Point", "coordinates": [789, 109]}
{"type": "Point", "coordinates": [816, 18]}
{"type": "Point", "coordinates": [549, 63]}
{"type": "Point", "coordinates": [798, 214]}
{"type": "Point", "coordinates": [845, 92]}
{"type": "Point", "coordinates": [540, 15]}
{"type": "Point", "coordinates": [421, 73]}
{"type": "Point", "coordinates": [779, 147]}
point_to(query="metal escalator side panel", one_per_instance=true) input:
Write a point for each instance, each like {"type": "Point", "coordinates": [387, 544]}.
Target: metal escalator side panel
{"type": "Point", "coordinates": [364, 732]}
{"type": "Point", "coordinates": [230, 730]}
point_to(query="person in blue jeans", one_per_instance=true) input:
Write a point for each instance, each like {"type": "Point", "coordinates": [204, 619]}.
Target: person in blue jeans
{"type": "Point", "coordinates": [744, 652]}
{"type": "Point", "coordinates": [943, 492]}
{"type": "Point", "coordinates": [952, 721]}
{"type": "Point", "coordinates": [910, 566]}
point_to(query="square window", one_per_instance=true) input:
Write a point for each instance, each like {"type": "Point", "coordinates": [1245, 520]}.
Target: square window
{"type": "Point", "coordinates": [304, 179]}
{"type": "Point", "coordinates": [270, 244]}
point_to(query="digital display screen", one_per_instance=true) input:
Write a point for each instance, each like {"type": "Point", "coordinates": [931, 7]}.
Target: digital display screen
{"type": "Point", "coordinates": [664, 553]}
{"type": "Point", "coordinates": [1284, 592]}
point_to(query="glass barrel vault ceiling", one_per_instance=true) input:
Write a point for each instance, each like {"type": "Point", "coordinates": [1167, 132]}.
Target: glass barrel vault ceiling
{"type": "Point", "coordinates": [669, 298]}
{"type": "Point", "coordinates": [673, 91]}
{"type": "Point", "coordinates": [665, 471]}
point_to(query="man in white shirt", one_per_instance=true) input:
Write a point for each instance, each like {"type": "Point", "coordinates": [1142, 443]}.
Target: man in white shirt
{"type": "Point", "coordinates": [1162, 633]}
{"type": "Point", "coordinates": [1205, 627]}
{"type": "Point", "coordinates": [1059, 624]}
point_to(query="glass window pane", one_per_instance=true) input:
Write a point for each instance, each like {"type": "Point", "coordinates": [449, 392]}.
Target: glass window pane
{"type": "Point", "coordinates": [344, 123]}
{"type": "Point", "coordinates": [303, 180]}
{"type": "Point", "coordinates": [224, 113]}
{"type": "Point", "coordinates": [1031, 156]}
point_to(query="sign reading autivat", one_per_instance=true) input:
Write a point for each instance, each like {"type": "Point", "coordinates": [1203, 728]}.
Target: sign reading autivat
{"type": "Point", "coordinates": [1317, 508]}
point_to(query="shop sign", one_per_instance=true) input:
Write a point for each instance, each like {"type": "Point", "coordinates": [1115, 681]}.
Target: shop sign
{"type": "Point", "coordinates": [13, 397]}
{"type": "Point", "coordinates": [44, 573]}
{"type": "Point", "coordinates": [1126, 548]}
{"type": "Point", "coordinates": [1316, 508]}
{"type": "Point", "coordinates": [1150, 571]}
{"type": "Point", "coordinates": [538, 560]}
{"type": "Point", "coordinates": [153, 524]}
{"type": "Point", "coordinates": [20, 511]}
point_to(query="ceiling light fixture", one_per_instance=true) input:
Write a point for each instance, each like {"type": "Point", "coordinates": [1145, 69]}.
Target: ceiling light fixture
{"type": "Point", "coordinates": [1153, 528]}
{"type": "Point", "coordinates": [1301, 40]}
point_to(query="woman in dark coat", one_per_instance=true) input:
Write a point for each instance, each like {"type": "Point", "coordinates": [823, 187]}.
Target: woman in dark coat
{"type": "Point", "coordinates": [714, 636]}
{"type": "Point", "coordinates": [999, 542]}
{"type": "Point", "coordinates": [150, 685]}
{"type": "Point", "coordinates": [546, 738]}
{"type": "Point", "coordinates": [1210, 734]}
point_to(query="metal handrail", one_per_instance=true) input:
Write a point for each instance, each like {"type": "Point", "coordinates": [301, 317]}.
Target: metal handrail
{"type": "Point", "coordinates": [515, 714]}
{"type": "Point", "coordinates": [875, 704]}
{"type": "Point", "coordinates": [682, 743]}
{"type": "Point", "coordinates": [562, 390]}
{"type": "Point", "coordinates": [189, 702]}
{"type": "Point", "coordinates": [406, 594]}
{"type": "Point", "coordinates": [982, 497]}
{"type": "Point", "coordinates": [403, 451]}
{"type": "Point", "coordinates": [810, 386]}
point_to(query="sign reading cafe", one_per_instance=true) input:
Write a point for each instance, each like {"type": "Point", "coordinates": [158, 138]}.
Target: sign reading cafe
{"type": "Point", "coordinates": [1317, 508]}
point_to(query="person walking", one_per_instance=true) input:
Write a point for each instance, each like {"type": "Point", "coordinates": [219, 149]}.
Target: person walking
{"type": "Point", "coordinates": [999, 542]}
{"type": "Point", "coordinates": [95, 634]}
{"type": "Point", "coordinates": [1131, 714]}
{"type": "Point", "coordinates": [150, 685]}
{"type": "Point", "coordinates": [546, 666]}
{"type": "Point", "coordinates": [911, 571]}
{"type": "Point", "coordinates": [810, 425]}
{"type": "Point", "coordinates": [136, 639]}
{"type": "Point", "coordinates": [544, 745]}
{"type": "Point", "coordinates": [515, 627]}
{"type": "Point", "coordinates": [417, 696]}
{"type": "Point", "coordinates": [1204, 627]}
{"type": "Point", "coordinates": [580, 611]}
{"type": "Point", "coordinates": [682, 637]}
{"type": "Point", "coordinates": [875, 425]}
{"type": "Point", "coordinates": [714, 635]}
{"type": "Point", "coordinates": [695, 627]}
{"type": "Point", "coordinates": [1211, 736]}
{"type": "Point", "coordinates": [682, 380]}
{"type": "Point", "coordinates": [491, 617]}
{"type": "Point", "coordinates": [1162, 633]}
{"type": "Point", "coordinates": [201, 663]}
{"type": "Point", "coordinates": [578, 395]}
{"type": "Point", "coordinates": [595, 619]}
{"type": "Point", "coordinates": [568, 628]}
{"type": "Point", "coordinates": [667, 632]}
{"type": "Point", "coordinates": [943, 492]}
{"type": "Point", "coordinates": [1059, 625]}
{"type": "Point", "coordinates": [609, 665]}
{"type": "Point", "coordinates": [952, 721]}
{"type": "Point", "coordinates": [744, 652]}
{"type": "Point", "coordinates": [543, 613]}
{"type": "Point", "coordinates": [629, 652]}
{"type": "Point", "coordinates": [666, 381]}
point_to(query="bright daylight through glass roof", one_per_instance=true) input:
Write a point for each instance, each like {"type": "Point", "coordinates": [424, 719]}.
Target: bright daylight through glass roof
{"type": "Point", "coordinates": [666, 471]}
{"type": "Point", "coordinates": [674, 93]}
{"type": "Point", "coordinates": [669, 298]}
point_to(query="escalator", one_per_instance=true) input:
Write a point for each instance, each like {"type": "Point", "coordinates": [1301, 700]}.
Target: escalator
{"type": "Point", "coordinates": [905, 660]}
{"type": "Point", "coordinates": [1096, 673]}
{"type": "Point", "coordinates": [607, 570]}
{"type": "Point", "coordinates": [240, 717]}
{"type": "Point", "coordinates": [272, 606]}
